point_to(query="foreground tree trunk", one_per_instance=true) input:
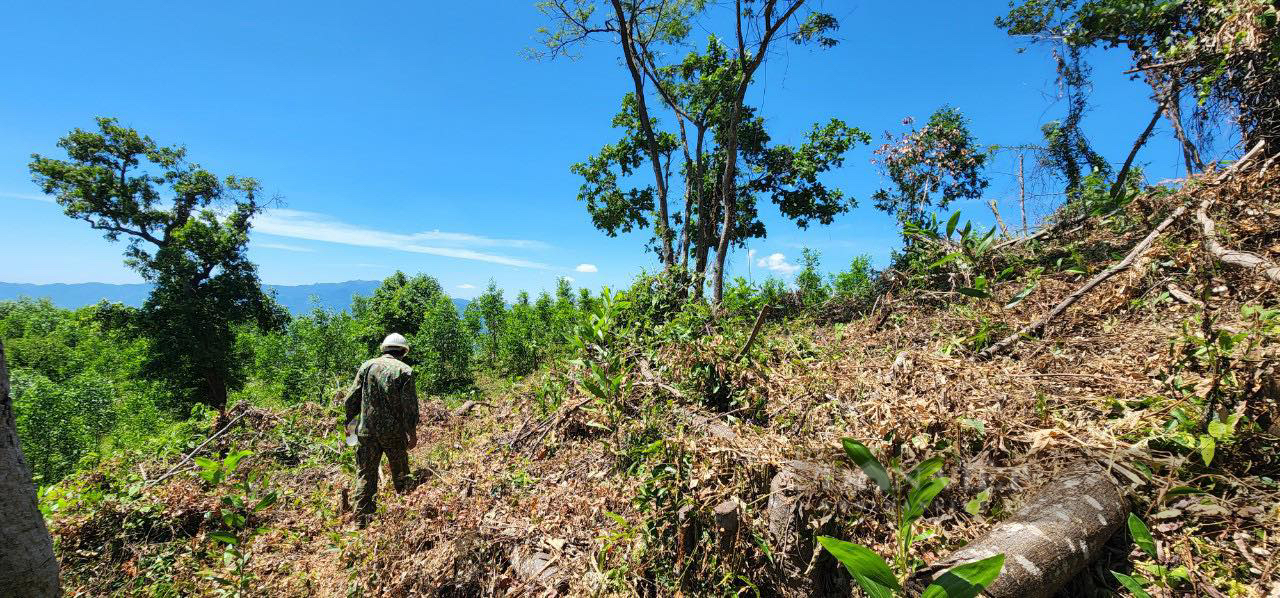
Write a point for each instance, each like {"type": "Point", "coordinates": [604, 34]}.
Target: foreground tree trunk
{"type": "Point", "coordinates": [1050, 539]}
{"type": "Point", "coordinates": [27, 564]}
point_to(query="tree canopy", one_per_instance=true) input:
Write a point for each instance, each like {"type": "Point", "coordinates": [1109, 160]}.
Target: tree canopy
{"type": "Point", "coordinates": [187, 232]}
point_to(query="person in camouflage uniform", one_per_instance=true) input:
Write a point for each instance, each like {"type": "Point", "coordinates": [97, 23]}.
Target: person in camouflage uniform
{"type": "Point", "coordinates": [382, 407]}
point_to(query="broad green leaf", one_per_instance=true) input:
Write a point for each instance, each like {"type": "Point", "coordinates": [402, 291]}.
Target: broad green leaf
{"type": "Point", "coordinates": [972, 292]}
{"type": "Point", "coordinates": [595, 389]}
{"type": "Point", "coordinates": [862, 456]}
{"type": "Point", "coordinates": [1207, 445]}
{"type": "Point", "coordinates": [862, 563]}
{"type": "Point", "coordinates": [951, 223]}
{"type": "Point", "coordinates": [224, 538]}
{"type": "Point", "coordinates": [1131, 584]}
{"type": "Point", "coordinates": [266, 502]}
{"type": "Point", "coordinates": [206, 463]}
{"type": "Point", "coordinates": [974, 506]}
{"type": "Point", "coordinates": [232, 461]}
{"type": "Point", "coordinates": [950, 257]}
{"type": "Point", "coordinates": [1020, 295]}
{"type": "Point", "coordinates": [1142, 536]}
{"type": "Point", "coordinates": [919, 498]}
{"type": "Point", "coordinates": [1219, 430]}
{"type": "Point", "coordinates": [924, 470]}
{"type": "Point", "coordinates": [986, 242]}
{"type": "Point", "coordinates": [1177, 491]}
{"type": "Point", "coordinates": [967, 580]}
{"type": "Point", "coordinates": [871, 588]}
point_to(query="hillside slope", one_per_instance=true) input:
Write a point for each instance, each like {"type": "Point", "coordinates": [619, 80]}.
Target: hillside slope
{"type": "Point", "coordinates": [676, 481]}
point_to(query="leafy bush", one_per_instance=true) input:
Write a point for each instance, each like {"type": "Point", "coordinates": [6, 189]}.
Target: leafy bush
{"type": "Point", "coordinates": [60, 424]}
{"type": "Point", "coordinates": [857, 283]}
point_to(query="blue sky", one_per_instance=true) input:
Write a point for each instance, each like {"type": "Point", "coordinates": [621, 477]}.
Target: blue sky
{"type": "Point", "coordinates": [415, 136]}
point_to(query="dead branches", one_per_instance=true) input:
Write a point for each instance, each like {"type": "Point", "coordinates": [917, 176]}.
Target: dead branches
{"type": "Point", "coordinates": [191, 454]}
{"type": "Point", "coordinates": [1037, 326]}
{"type": "Point", "coordinates": [1240, 259]}
{"type": "Point", "coordinates": [755, 329]}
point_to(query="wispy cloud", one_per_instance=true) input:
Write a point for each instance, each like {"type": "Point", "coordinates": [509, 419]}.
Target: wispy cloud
{"type": "Point", "coordinates": [27, 196]}
{"type": "Point", "coordinates": [298, 224]}
{"type": "Point", "coordinates": [776, 262]}
{"type": "Point", "coordinates": [587, 268]}
{"type": "Point", "coordinates": [466, 285]}
{"type": "Point", "coordinates": [283, 247]}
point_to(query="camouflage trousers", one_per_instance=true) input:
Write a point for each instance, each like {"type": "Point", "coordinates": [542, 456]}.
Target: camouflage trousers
{"type": "Point", "coordinates": [368, 458]}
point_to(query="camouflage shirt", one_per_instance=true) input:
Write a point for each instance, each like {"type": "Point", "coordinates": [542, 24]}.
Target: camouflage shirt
{"type": "Point", "coordinates": [384, 398]}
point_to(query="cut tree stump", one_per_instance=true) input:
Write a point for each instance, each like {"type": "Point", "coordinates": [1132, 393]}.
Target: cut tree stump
{"type": "Point", "coordinates": [801, 507]}
{"type": "Point", "coordinates": [1050, 539]}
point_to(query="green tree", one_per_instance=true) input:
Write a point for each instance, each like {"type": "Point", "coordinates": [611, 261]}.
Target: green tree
{"type": "Point", "coordinates": [189, 242]}
{"type": "Point", "coordinates": [930, 166]}
{"type": "Point", "coordinates": [855, 283]}
{"type": "Point", "coordinates": [314, 356]}
{"type": "Point", "coordinates": [76, 382]}
{"type": "Point", "coordinates": [706, 93]}
{"type": "Point", "coordinates": [485, 317]}
{"type": "Point", "coordinates": [444, 348]}
{"type": "Point", "coordinates": [813, 290]}
{"type": "Point", "coordinates": [397, 305]}
{"type": "Point", "coordinates": [518, 347]}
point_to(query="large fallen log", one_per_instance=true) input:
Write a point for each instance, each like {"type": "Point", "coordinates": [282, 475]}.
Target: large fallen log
{"type": "Point", "coordinates": [1050, 539]}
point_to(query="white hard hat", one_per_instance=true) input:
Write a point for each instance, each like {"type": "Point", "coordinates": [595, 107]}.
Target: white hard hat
{"type": "Point", "coordinates": [395, 340]}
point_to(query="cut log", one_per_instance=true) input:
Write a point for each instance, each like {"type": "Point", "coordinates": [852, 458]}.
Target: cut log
{"type": "Point", "coordinates": [801, 507]}
{"type": "Point", "coordinates": [728, 521]}
{"type": "Point", "coordinates": [1050, 539]}
{"type": "Point", "coordinates": [1177, 293]}
{"type": "Point", "coordinates": [468, 406]}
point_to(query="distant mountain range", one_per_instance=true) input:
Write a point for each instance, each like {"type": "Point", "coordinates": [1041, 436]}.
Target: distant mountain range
{"type": "Point", "coordinates": [297, 298]}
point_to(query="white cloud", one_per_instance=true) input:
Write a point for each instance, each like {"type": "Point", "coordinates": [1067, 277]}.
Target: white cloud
{"type": "Point", "coordinates": [27, 196]}
{"type": "Point", "coordinates": [587, 268]}
{"type": "Point", "coordinates": [776, 262]}
{"type": "Point", "coordinates": [283, 247]}
{"type": "Point", "coordinates": [466, 286]}
{"type": "Point", "coordinates": [569, 278]}
{"type": "Point", "coordinates": [320, 227]}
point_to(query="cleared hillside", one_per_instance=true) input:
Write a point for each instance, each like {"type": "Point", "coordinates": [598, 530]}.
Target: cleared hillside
{"type": "Point", "coordinates": [686, 473]}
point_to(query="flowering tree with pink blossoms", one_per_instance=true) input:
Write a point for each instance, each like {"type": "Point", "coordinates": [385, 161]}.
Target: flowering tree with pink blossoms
{"type": "Point", "coordinates": [930, 166]}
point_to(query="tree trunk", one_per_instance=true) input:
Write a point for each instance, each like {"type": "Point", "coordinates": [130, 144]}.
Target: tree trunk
{"type": "Point", "coordinates": [1118, 186]}
{"type": "Point", "coordinates": [1173, 111]}
{"type": "Point", "coordinates": [27, 564]}
{"type": "Point", "coordinates": [1050, 539]}
{"type": "Point", "coordinates": [1022, 196]}
{"type": "Point", "coordinates": [626, 34]}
